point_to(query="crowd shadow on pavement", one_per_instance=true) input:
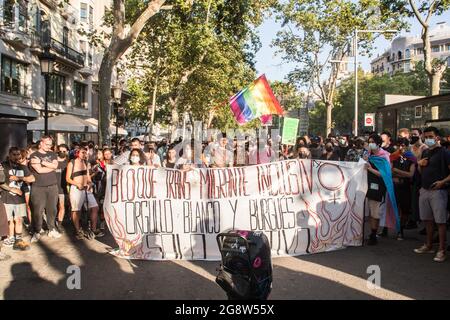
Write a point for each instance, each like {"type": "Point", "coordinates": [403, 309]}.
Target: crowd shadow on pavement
{"type": "Point", "coordinates": [104, 276]}
{"type": "Point", "coordinates": [401, 270]}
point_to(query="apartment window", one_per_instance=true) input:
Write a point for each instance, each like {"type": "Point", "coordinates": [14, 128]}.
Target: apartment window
{"type": "Point", "coordinates": [91, 16]}
{"type": "Point", "coordinates": [448, 46]}
{"type": "Point", "coordinates": [13, 76]}
{"type": "Point", "coordinates": [435, 49]}
{"type": "Point", "coordinates": [407, 67]}
{"type": "Point", "coordinates": [83, 12]}
{"type": "Point", "coordinates": [65, 37]}
{"type": "Point", "coordinates": [407, 54]}
{"type": "Point", "coordinates": [419, 51]}
{"type": "Point", "coordinates": [400, 55]}
{"type": "Point", "coordinates": [80, 94]}
{"type": "Point", "coordinates": [56, 89]}
{"type": "Point", "coordinates": [8, 12]}
{"type": "Point", "coordinates": [23, 14]}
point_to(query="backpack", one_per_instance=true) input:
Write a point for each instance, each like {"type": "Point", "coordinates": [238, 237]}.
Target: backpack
{"type": "Point", "coordinates": [246, 268]}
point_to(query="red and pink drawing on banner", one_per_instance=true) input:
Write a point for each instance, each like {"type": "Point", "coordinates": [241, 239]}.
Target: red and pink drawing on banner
{"type": "Point", "coordinates": [303, 206]}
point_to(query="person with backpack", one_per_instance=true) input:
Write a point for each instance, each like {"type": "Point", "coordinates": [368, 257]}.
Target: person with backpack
{"type": "Point", "coordinates": [434, 167]}
{"type": "Point", "coordinates": [80, 194]}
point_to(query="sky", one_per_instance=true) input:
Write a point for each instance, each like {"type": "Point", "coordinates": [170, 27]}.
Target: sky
{"type": "Point", "coordinates": [275, 69]}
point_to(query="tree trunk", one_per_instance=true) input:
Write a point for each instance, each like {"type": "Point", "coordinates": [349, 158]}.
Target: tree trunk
{"type": "Point", "coordinates": [329, 107]}
{"type": "Point", "coordinates": [105, 75]}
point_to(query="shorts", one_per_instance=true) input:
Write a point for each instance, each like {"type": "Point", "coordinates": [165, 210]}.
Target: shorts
{"type": "Point", "coordinates": [433, 205]}
{"type": "Point", "coordinates": [14, 211]}
{"type": "Point", "coordinates": [374, 208]}
{"type": "Point", "coordinates": [61, 198]}
{"type": "Point", "coordinates": [78, 198]}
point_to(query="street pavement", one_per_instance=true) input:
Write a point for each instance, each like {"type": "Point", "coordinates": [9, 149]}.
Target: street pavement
{"type": "Point", "coordinates": [42, 273]}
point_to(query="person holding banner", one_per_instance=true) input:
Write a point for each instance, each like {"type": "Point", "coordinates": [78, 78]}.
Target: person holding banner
{"type": "Point", "coordinates": [80, 193]}
{"type": "Point", "coordinates": [380, 186]}
{"type": "Point", "coordinates": [137, 158]}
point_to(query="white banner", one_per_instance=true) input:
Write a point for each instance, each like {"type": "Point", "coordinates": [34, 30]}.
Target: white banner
{"type": "Point", "coordinates": [303, 206]}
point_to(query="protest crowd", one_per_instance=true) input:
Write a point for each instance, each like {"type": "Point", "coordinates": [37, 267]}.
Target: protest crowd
{"type": "Point", "coordinates": [48, 189]}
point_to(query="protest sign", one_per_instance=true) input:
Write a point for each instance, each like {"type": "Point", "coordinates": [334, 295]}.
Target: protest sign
{"type": "Point", "coordinates": [303, 206]}
{"type": "Point", "coordinates": [290, 127]}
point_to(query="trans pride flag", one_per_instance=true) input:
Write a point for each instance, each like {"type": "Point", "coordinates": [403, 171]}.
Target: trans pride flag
{"type": "Point", "coordinates": [255, 101]}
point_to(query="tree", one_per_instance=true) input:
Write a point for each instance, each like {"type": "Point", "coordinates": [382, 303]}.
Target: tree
{"type": "Point", "coordinates": [373, 90]}
{"type": "Point", "coordinates": [121, 41]}
{"type": "Point", "coordinates": [197, 57]}
{"type": "Point", "coordinates": [423, 11]}
{"type": "Point", "coordinates": [319, 31]}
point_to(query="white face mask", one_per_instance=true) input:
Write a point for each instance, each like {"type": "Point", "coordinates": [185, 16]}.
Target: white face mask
{"type": "Point", "coordinates": [135, 159]}
{"type": "Point", "coordinates": [430, 142]}
{"type": "Point", "coordinates": [373, 146]}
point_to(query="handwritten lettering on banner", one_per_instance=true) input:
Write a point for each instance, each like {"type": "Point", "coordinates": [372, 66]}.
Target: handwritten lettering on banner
{"type": "Point", "coordinates": [303, 206]}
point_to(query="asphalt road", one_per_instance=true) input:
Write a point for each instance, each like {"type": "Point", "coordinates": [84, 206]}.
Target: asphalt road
{"type": "Point", "coordinates": [41, 273]}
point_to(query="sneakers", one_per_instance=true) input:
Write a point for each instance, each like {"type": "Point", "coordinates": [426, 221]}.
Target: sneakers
{"type": "Point", "coordinates": [4, 257]}
{"type": "Point", "coordinates": [54, 234]}
{"type": "Point", "coordinates": [21, 245]}
{"type": "Point", "coordinates": [9, 242]}
{"type": "Point", "coordinates": [79, 234]}
{"type": "Point", "coordinates": [102, 225]}
{"type": "Point", "coordinates": [424, 249]}
{"type": "Point", "coordinates": [400, 236]}
{"type": "Point", "coordinates": [60, 227]}
{"type": "Point", "coordinates": [36, 237]}
{"type": "Point", "coordinates": [383, 232]}
{"type": "Point", "coordinates": [440, 256]}
{"type": "Point", "coordinates": [89, 234]}
{"type": "Point", "coordinates": [99, 233]}
{"type": "Point", "coordinates": [372, 240]}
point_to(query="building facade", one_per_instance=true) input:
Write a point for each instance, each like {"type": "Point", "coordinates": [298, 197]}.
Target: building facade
{"type": "Point", "coordinates": [26, 28]}
{"type": "Point", "coordinates": [406, 51]}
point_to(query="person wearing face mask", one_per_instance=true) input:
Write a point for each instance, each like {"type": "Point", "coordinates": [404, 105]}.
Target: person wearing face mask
{"type": "Point", "coordinates": [342, 148]}
{"type": "Point", "coordinates": [434, 167]}
{"type": "Point", "coordinates": [357, 152]}
{"type": "Point", "coordinates": [137, 158]}
{"type": "Point", "coordinates": [14, 198]}
{"type": "Point", "coordinates": [125, 155]}
{"type": "Point", "coordinates": [303, 153]}
{"type": "Point", "coordinates": [330, 154]}
{"type": "Point", "coordinates": [417, 146]}
{"type": "Point", "coordinates": [403, 172]}
{"type": "Point", "coordinates": [380, 186]}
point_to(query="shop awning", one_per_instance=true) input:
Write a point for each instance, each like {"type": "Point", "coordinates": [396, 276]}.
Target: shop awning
{"type": "Point", "coordinates": [63, 123]}
{"type": "Point", "coordinates": [112, 129]}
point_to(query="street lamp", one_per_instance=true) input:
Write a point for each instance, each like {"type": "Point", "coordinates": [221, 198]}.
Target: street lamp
{"type": "Point", "coordinates": [46, 62]}
{"type": "Point", "coordinates": [356, 68]}
{"type": "Point", "coordinates": [117, 94]}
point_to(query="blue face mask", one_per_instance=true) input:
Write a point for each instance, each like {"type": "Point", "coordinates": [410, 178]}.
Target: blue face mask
{"type": "Point", "coordinates": [430, 142]}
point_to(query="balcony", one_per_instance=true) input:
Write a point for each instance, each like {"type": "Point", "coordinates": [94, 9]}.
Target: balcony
{"type": "Point", "coordinates": [16, 36]}
{"type": "Point", "coordinates": [64, 54]}
{"type": "Point", "coordinates": [53, 4]}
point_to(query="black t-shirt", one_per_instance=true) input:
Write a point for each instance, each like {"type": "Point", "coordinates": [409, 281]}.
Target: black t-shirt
{"type": "Point", "coordinates": [376, 189]}
{"type": "Point", "coordinates": [61, 176]}
{"type": "Point", "coordinates": [44, 179]}
{"type": "Point", "coordinates": [342, 152]}
{"type": "Point", "coordinates": [18, 170]}
{"type": "Point", "coordinates": [437, 169]}
{"type": "Point", "coordinates": [389, 149]}
{"type": "Point", "coordinates": [404, 165]}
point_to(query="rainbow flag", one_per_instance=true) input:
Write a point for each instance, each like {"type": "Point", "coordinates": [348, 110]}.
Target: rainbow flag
{"type": "Point", "coordinates": [255, 101]}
